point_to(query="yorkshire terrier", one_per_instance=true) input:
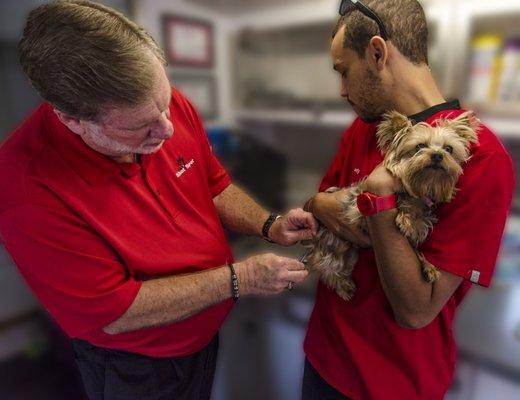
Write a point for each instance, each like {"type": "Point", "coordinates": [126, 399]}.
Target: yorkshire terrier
{"type": "Point", "coordinates": [428, 162]}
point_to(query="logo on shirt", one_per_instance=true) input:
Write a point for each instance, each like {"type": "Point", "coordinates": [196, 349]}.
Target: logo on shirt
{"type": "Point", "coordinates": [357, 171]}
{"type": "Point", "coordinates": [180, 162]}
{"type": "Point", "coordinates": [183, 166]}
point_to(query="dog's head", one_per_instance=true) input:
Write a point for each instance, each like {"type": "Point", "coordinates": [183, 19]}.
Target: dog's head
{"type": "Point", "coordinates": [427, 159]}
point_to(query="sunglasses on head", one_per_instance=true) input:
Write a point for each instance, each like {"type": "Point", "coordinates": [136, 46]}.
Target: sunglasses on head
{"type": "Point", "coordinates": [358, 5]}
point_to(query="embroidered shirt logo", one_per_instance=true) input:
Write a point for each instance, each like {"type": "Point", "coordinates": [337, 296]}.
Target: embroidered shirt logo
{"type": "Point", "coordinates": [357, 171]}
{"type": "Point", "coordinates": [180, 162]}
{"type": "Point", "coordinates": [183, 166]}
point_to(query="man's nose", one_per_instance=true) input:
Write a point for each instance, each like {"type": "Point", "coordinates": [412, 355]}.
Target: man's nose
{"type": "Point", "coordinates": [164, 128]}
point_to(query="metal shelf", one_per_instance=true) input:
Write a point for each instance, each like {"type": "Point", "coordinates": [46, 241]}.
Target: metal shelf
{"type": "Point", "coordinates": [503, 118]}
{"type": "Point", "coordinates": [504, 127]}
{"type": "Point", "coordinates": [497, 109]}
{"type": "Point", "coordinates": [298, 117]}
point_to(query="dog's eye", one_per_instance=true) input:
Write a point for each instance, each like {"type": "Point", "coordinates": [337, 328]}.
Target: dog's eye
{"type": "Point", "coordinates": [420, 146]}
{"type": "Point", "coordinates": [449, 149]}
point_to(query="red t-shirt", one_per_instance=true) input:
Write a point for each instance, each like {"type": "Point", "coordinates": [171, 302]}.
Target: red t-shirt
{"type": "Point", "coordinates": [85, 231]}
{"type": "Point", "coordinates": [357, 346]}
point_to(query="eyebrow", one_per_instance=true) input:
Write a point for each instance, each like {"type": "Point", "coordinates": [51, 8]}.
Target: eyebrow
{"type": "Point", "coordinates": [143, 124]}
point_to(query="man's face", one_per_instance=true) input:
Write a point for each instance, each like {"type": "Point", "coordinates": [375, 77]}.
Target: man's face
{"type": "Point", "coordinates": [359, 85]}
{"type": "Point", "coordinates": [140, 129]}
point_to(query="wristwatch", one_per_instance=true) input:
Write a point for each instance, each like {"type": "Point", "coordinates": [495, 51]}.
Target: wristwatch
{"type": "Point", "coordinates": [267, 226]}
{"type": "Point", "coordinates": [371, 204]}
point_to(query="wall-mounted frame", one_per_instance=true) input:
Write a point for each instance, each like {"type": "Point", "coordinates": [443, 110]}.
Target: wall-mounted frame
{"type": "Point", "coordinates": [200, 90]}
{"type": "Point", "coordinates": [188, 42]}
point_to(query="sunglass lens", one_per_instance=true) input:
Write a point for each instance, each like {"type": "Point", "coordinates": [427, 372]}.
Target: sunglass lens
{"type": "Point", "coordinates": [344, 6]}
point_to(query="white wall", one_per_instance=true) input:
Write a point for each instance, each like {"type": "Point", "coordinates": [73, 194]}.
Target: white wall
{"type": "Point", "coordinates": [148, 14]}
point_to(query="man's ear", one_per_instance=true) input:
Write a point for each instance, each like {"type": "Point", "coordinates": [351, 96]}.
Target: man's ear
{"type": "Point", "coordinates": [73, 123]}
{"type": "Point", "coordinates": [377, 51]}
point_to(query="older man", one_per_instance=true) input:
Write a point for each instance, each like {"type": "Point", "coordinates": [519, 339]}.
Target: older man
{"type": "Point", "coordinates": [113, 208]}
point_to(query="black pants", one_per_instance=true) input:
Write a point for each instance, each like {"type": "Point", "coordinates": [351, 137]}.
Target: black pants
{"type": "Point", "coordinates": [118, 375]}
{"type": "Point", "coordinates": [314, 386]}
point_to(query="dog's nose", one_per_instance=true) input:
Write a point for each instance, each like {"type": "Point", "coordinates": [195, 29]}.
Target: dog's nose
{"type": "Point", "coordinates": [437, 158]}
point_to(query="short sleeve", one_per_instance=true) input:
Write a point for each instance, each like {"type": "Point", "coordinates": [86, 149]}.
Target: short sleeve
{"type": "Point", "coordinates": [466, 239]}
{"type": "Point", "coordinates": [218, 178]}
{"type": "Point", "coordinates": [332, 177]}
{"type": "Point", "coordinates": [73, 272]}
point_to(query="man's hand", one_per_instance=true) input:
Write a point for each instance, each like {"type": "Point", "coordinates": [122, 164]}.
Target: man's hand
{"type": "Point", "coordinates": [328, 208]}
{"type": "Point", "coordinates": [293, 227]}
{"type": "Point", "coordinates": [267, 274]}
{"type": "Point", "coordinates": [381, 182]}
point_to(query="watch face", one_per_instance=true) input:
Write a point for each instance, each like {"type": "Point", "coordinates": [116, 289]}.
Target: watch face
{"type": "Point", "coordinates": [365, 205]}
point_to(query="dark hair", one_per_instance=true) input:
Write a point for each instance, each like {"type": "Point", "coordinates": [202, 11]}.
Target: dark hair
{"type": "Point", "coordinates": [80, 56]}
{"type": "Point", "coordinates": [404, 20]}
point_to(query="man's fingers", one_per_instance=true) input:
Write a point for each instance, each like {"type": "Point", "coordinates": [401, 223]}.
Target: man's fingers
{"type": "Point", "coordinates": [303, 234]}
{"type": "Point", "coordinates": [293, 237]}
{"type": "Point", "coordinates": [312, 224]}
{"type": "Point", "coordinates": [293, 265]}
{"type": "Point", "coordinates": [302, 219]}
{"type": "Point", "coordinates": [297, 276]}
{"type": "Point", "coordinates": [307, 234]}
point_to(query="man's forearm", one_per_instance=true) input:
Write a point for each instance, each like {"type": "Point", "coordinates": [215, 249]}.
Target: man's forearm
{"type": "Point", "coordinates": [171, 299]}
{"type": "Point", "coordinates": [239, 212]}
{"type": "Point", "coordinates": [167, 300]}
{"type": "Point", "coordinates": [399, 270]}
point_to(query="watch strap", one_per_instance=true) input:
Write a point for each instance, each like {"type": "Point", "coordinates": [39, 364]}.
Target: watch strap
{"type": "Point", "coordinates": [267, 226]}
{"type": "Point", "coordinates": [371, 204]}
{"type": "Point", "coordinates": [384, 203]}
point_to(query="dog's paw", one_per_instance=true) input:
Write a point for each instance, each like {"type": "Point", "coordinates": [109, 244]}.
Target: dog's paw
{"type": "Point", "coordinates": [406, 225]}
{"type": "Point", "coordinates": [430, 273]}
{"type": "Point", "coordinates": [346, 295]}
{"type": "Point", "coordinates": [346, 290]}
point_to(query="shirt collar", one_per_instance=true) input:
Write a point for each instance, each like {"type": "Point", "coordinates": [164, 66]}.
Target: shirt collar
{"type": "Point", "coordinates": [91, 165]}
{"type": "Point", "coordinates": [430, 112]}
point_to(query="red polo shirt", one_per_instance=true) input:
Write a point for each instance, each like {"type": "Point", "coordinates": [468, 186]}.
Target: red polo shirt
{"type": "Point", "coordinates": [85, 231]}
{"type": "Point", "coordinates": [357, 346]}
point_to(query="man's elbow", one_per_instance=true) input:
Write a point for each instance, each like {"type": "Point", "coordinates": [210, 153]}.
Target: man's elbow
{"type": "Point", "coordinates": [110, 330]}
{"type": "Point", "coordinates": [115, 328]}
{"type": "Point", "coordinates": [413, 320]}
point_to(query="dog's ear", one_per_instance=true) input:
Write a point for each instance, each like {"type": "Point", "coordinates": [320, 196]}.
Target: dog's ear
{"type": "Point", "coordinates": [392, 123]}
{"type": "Point", "coordinates": [465, 125]}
